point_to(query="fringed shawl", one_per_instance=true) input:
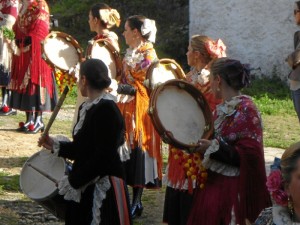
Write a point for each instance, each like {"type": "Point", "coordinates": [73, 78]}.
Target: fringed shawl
{"type": "Point", "coordinates": [139, 129]}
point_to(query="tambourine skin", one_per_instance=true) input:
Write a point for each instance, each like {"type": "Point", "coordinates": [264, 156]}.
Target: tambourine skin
{"type": "Point", "coordinates": [168, 69]}
{"type": "Point", "coordinates": [53, 51]}
{"type": "Point", "coordinates": [114, 53]}
{"type": "Point", "coordinates": [198, 102]}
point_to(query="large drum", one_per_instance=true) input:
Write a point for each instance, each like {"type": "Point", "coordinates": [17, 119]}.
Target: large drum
{"type": "Point", "coordinates": [105, 51]}
{"type": "Point", "coordinates": [161, 71]}
{"type": "Point", "coordinates": [61, 51]}
{"type": "Point", "coordinates": [180, 114]}
{"type": "Point", "coordinates": [37, 181]}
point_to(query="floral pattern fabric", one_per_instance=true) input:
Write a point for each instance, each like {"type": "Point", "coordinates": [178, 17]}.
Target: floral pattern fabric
{"type": "Point", "coordinates": [244, 195]}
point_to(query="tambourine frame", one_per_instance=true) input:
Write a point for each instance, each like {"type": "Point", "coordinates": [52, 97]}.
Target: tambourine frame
{"type": "Point", "coordinates": [112, 49]}
{"type": "Point", "coordinates": [68, 38]}
{"type": "Point", "coordinates": [180, 73]}
{"type": "Point", "coordinates": [166, 136]}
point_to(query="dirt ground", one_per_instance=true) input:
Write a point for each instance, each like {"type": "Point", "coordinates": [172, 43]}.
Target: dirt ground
{"type": "Point", "coordinates": [16, 208]}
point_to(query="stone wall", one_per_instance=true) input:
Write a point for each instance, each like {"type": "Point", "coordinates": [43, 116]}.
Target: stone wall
{"type": "Point", "coordinates": [256, 32]}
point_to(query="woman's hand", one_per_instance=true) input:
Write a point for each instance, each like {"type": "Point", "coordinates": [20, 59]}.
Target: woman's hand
{"type": "Point", "coordinates": [203, 144]}
{"type": "Point", "coordinates": [46, 142]}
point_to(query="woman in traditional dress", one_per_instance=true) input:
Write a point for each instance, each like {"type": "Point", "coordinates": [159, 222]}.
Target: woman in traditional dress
{"type": "Point", "coordinates": [94, 188]}
{"type": "Point", "coordinates": [144, 169]}
{"type": "Point", "coordinates": [184, 169]}
{"type": "Point", "coordinates": [8, 16]}
{"type": "Point", "coordinates": [284, 186]}
{"type": "Point", "coordinates": [101, 19]}
{"type": "Point", "coordinates": [32, 83]}
{"type": "Point", "coordinates": [235, 189]}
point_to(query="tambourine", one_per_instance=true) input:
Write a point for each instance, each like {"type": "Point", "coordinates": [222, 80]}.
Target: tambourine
{"type": "Point", "coordinates": [161, 71]}
{"type": "Point", "coordinates": [105, 51]}
{"type": "Point", "coordinates": [61, 51]}
{"type": "Point", "coordinates": [180, 114]}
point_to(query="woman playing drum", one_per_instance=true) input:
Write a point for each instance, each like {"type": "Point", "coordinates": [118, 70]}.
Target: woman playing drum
{"type": "Point", "coordinates": [101, 19]}
{"type": "Point", "coordinates": [32, 83]}
{"type": "Point", "coordinates": [94, 187]}
{"type": "Point", "coordinates": [145, 143]}
{"type": "Point", "coordinates": [179, 179]}
{"type": "Point", "coordinates": [235, 189]}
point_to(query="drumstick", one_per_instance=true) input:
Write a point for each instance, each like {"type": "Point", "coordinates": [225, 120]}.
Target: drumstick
{"type": "Point", "coordinates": [55, 112]}
{"type": "Point", "coordinates": [44, 174]}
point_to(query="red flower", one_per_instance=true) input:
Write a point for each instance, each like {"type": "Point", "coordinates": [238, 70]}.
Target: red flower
{"type": "Point", "coordinates": [280, 197]}
{"type": "Point", "coordinates": [5, 109]}
{"type": "Point", "coordinates": [276, 188]}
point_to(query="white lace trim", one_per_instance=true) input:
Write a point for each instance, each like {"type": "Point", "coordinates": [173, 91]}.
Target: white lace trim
{"type": "Point", "coordinates": [101, 187]}
{"type": "Point", "coordinates": [85, 107]}
{"type": "Point", "coordinates": [226, 109]}
{"type": "Point", "coordinates": [217, 166]}
{"type": "Point", "coordinates": [203, 77]}
{"type": "Point", "coordinates": [124, 151]}
{"type": "Point", "coordinates": [69, 193]}
{"type": "Point", "coordinates": [281, 216]}
{"type": "Point", "coordinates": [133, 57]}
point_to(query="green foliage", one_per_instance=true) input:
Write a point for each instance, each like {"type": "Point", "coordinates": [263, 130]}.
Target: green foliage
{"type": "Point", "coordinates": [172, 34]}
{"type": "Point", "coordinates": [271, 95]}
{"type": "Point", "coordinates": [8, 33]}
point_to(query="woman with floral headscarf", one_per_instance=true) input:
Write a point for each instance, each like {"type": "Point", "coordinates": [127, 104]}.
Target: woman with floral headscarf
{"type": "Point", "coordinates": [184, 170]}
{"type": "Point", "coordinates": [235, 189]}
{"type": "Point", "coordinates": [284, 186]}
{"type": "Point", "coordinates": [144, 169]}
{"type": "Point", "coordinates": [101, 19]}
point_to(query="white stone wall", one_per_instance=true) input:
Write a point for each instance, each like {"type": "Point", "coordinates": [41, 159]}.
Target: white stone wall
{"type": "Point", "coordinates": [258, 32]}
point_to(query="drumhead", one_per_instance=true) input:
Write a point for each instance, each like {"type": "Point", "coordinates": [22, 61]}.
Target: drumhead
{"type": "Point", "coordinates": [61, 51]}
{"type": "Point", "coordinates": [161, 71]}
{"type": "Point", "coordinates": [180, 114]}
{"type": "Point", "coordinates": [35, 185]}
{"type": "Point", "coordinates": [103, 50]}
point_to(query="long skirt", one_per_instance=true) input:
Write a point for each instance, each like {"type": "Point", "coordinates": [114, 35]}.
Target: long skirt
{"type": "Point", "coordinates": [114, 209]}
{"type": "Point", "coordinates": [177, 206]}
{"type": "Point", "coordinates": [33, 103]}
{"type": "Point", "coordinates": [141, 170]}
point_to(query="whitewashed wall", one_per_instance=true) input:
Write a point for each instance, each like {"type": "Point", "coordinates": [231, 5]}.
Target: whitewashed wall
{"type": "Point", "coordinates": [259, 32]}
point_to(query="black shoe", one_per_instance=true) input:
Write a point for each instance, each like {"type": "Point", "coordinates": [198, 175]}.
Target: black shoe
{"type": "Point", "coordinates": [23, 127]}
{"type": "Point", "coordinates": [37, 127]}
{"type": "Point", "coordinates": [136, 210]}
{"type": "Point", "coordinates": [11, 112]}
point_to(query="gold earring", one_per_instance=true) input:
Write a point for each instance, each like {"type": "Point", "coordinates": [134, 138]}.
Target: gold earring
{"type": "Point", "coordinates": [291, 206]}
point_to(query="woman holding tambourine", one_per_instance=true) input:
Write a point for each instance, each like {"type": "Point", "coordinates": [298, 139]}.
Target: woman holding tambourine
{"type": "Point", "coordinates": [101, 19]}
{"type": "Point", "coordinates": [145, 144]}
{"type": "Point", "coordinates": [184, 170]}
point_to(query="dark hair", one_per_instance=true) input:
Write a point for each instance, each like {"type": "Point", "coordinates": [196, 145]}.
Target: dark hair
{"type": "Point", "coordinates": [297, 4]}
{"type": "Point", "coordinates": [289, 161]}
{"type": "Point", "coordinates": [95, 11]}
{"type": "Point", "coordinates": [136, 22]}
{"type": "Point", "coordinates": [96, 73]}
{"type": "Point", "coordinates": [232, 71]}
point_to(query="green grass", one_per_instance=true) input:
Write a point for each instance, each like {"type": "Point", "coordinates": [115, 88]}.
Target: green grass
{"type": "Point", "coordinates": [9, 183]}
